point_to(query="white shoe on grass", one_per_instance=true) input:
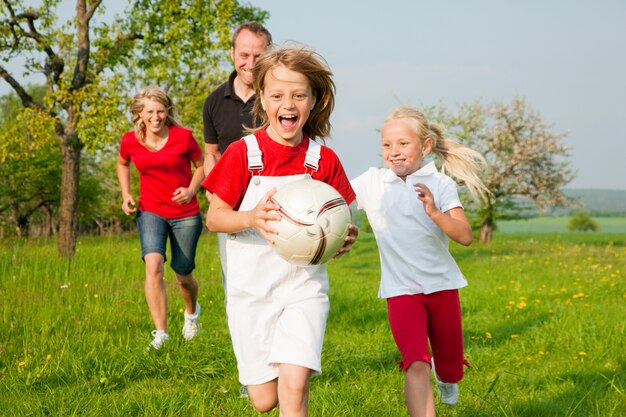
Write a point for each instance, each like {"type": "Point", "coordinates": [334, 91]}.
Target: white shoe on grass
{"type": "Point", "coordinates": [160, 338]}
{"type": "Point", "coordinates": [448, 392]}
{"type": "Point", "coordinates": [191, 327]}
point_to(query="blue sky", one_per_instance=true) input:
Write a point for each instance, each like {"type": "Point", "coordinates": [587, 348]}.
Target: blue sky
{"type": "Point", "coordinates": [565, 57]}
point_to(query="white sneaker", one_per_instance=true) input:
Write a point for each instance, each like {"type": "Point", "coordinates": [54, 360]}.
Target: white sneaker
{"type": "Point", "coordinates": [160, 338]}
{"type": "Point", "coordinates": [448, 392]}
{"type": "Point", "coordinates": [191, 327]}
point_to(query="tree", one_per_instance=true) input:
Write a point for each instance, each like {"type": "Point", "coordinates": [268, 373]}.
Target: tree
{"type": "Point", "coordinates": [527, 162]}
{"type": "Point", "coordinates": [29, 185]}
{"type": "Point", "coordinates": [30, 169]}
{"type": "Point", "coordinates": [31, 173]}
{"type": "Point", "coordinates": [580, 221]}
{"type": "Point", "coordinates": [90, 66]}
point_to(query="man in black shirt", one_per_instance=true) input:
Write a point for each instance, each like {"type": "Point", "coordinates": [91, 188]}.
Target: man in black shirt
{"type": "Point", "coordinates": [229, 108]}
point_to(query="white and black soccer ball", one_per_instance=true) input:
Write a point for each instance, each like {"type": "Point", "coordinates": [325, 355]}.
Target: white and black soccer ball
{"type": "Point", "coordinates": [314, 222]}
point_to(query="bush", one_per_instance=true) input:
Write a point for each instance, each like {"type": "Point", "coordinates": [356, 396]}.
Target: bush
{"type": "Point", "coordinates": [581, 221]}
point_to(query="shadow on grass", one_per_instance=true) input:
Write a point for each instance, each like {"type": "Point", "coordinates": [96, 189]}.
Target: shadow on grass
{"type": "Point", "coordinates": [570, 394]}
{"type": "Point", "coordinates": [504, 331]}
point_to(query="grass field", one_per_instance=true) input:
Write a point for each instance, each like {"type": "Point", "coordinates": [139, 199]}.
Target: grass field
{"type": "Point", "coordinates": [559, 225]}
{"type": "Point", "coordinates": [543, 315]}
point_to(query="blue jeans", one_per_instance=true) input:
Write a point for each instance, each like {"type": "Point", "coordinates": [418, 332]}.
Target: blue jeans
{"type": "Point", "coordinates": [183, 233]}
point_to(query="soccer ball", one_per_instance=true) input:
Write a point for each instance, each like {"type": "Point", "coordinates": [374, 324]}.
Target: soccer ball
{"type": "Point", "coordinates": [314, 222]}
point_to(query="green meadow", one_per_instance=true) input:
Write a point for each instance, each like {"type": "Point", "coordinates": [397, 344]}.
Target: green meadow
{"type": "Point", "coordinates": [559, 225]}
{"type": "Point", "coordinates": [543, 317]}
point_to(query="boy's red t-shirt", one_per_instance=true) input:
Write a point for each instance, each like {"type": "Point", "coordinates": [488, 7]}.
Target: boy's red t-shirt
{"type": "Point", "coordinates": [230, 177]}
{"type": "Point", "coordinates": [163, 171]}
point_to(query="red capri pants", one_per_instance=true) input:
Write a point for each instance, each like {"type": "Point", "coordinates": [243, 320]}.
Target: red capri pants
{"type": "Point", "coordinates": [419, 318]}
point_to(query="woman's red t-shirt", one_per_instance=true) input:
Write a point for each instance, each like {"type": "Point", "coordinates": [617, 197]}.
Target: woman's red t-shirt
{"type": "Point", "coordinates": [163, 171]}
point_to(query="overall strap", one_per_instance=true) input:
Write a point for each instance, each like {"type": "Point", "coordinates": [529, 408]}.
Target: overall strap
{"type": "Point", "coordinates": [255, 156]}
{"type": "Point", "coordinates": [312, 156]}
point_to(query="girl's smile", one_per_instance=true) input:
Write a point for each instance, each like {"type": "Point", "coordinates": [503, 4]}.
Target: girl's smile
{"type": "Point", "coordinates": [403, 149]}
{"type": "Point", "coordinates": [287, 100]}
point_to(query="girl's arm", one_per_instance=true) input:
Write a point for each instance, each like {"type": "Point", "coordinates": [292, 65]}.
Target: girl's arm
{"type": "Point", "coordinates": [353, 232]}
{"type": "Point", "coordinates": [452, 222]}
{"type": "Point", "coordinates": [184, 195]}
{"type": "Point", "coordinates": [123, 176]}
{"type": "Point", "coordinates": [222, 218]}
{"type": "Point", "coordinates": [212, 154]}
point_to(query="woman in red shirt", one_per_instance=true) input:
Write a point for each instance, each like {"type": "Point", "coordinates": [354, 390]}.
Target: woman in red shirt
{"type": "Point", "coordinates": [163, 152]}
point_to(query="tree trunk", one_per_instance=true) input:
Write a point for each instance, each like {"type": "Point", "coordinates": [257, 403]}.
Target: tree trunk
{"type": "Point", "coordinates": [20, 221]}
{"type": "Point", "coordinates": [47, 224]}
{"type": "Point", "coordinates": [486, 233]}
{"type": "Point", "coordinates": [70, 150]}
{"type": "Point", "coordinates": [101, 226]}
{"type": "Point", "coordinates": [22, 226]}
{"type": "Point", "coordinates": [116, 226]}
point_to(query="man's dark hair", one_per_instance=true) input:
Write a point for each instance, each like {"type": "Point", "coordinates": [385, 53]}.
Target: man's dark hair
{"type": "Point", "coordinates": [256, 28]}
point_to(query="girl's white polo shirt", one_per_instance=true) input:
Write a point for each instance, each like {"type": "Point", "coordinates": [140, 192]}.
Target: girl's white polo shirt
{"type": "Point", "coordinates": [414, 254]}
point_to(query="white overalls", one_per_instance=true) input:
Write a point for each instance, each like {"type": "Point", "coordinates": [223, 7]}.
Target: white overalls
{"type": "Point", "coordinates": [276, 310]}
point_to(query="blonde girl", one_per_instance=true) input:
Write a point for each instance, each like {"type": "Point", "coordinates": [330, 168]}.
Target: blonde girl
{"type": "Point", "coordinates": [413, 210]}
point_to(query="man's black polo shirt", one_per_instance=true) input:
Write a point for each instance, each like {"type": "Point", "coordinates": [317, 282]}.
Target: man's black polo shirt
{"type": "Point", "coordinates": [224, 115]}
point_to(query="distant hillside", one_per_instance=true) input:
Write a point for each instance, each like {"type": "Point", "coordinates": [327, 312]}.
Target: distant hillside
{"type": "Point", "coordinates": [595, 200]}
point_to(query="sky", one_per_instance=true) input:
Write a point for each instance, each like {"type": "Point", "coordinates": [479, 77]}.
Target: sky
{"type": "Point", "coordinates": [565, 57]}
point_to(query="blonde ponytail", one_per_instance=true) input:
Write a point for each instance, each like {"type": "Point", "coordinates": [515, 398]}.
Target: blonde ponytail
{"type": "Point", "coordinates": [458, 160]}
